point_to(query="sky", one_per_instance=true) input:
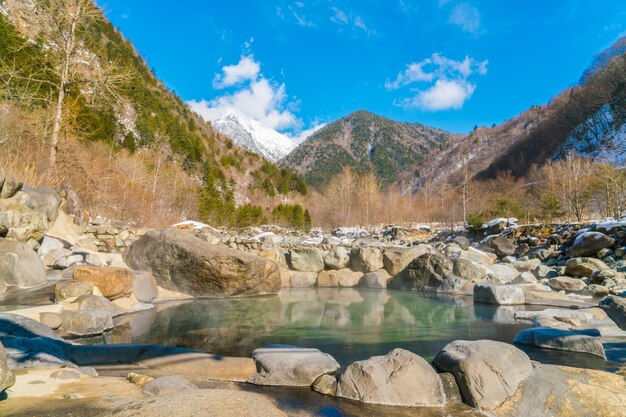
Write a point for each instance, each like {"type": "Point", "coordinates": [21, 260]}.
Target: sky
{"type": "Point", "coordinates": [297, 65]}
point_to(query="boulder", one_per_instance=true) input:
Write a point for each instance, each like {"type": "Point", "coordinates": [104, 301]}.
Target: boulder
{"type": "Point", "coordinates": [337, 258]}
{"type": "Point", "coordinates": [97, 302]}
{"type": "Point", "coordinates": [377, 279]}
{"type": "Point", "coordinates": [326, 384]}
{"type": "Point", "coordinates": [584, 267]}
{"type": "Point", "coordinates": [206, 402]}
{"type": "Point", "coordinates": [71, 290]}
{"type": "Point", "coordinates": [583, 341]}
{"type": "Point", "coordinates": [503, 272]}
{"type": "Point", "coordinates": [145, 287]}
{"type": "Point", "coordinates": [366, 259]}
{"type": "Point", "coordinates": [44, 200]}
{"type": "Point", "coordinates": [302, 279]}
{"type": "Point", "coordinates": [168, 385]}
{"type": "Point", "coordinates": [487, 372]}
{"type": "Point", "coordinates": [589, 243]}
{"type": "Point", "coordinates": [7, 378]}
{"type": "Point", "coordinates": [568, 319]}
{"type": "Point", "coordinates": [525, 278]}
{"type": "Point", "coordinates": [499, 294]}
{"type": "Point", "coordinates": [307, 259]}
{"type": "Point", "coordinates": [282, 365]}
{"type": "Point", "coordinates": [462, 241]}
{"type": "Point", "coordinates": [86, 322]}
{"type": "Point", "coordinates": [561, 391]}
{"type": "Point", "coordinates": [20, 266]}
{"type": "Point", "coordinates": [112, 282]}
{"type": "Point", "coordinates": [395, 260]}
{"type": "Point", "coordinates": [400, 378]}
{"type": "Point", "coordinates": [183, 263]}
{"type": "Point", "coordinates": [426, 272]}
{"type": "Point", "coordinates": [615, 308]}
{"type": "Point", "coordinates": [339, 278]}
{"type": "Point", "coordinates": [13, 325]}
{"type": "Point", "coordinates": [500, 245]}
{"type": "Point", "coordinates": [567, 284]}
{"type": "Point", "coordinates": [468, 270]}
{"type": "Point", "coordinates": [22, 223]}
{"type": "Point", "coordinates": [478, 256]}
{"type": "Point", "coordinates": [10, 187]}
{"type": "Point", "coordinates": [50, 319]}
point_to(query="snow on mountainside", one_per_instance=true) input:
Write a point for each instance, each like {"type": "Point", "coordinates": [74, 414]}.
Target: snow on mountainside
{"type": "Point", "coordinates": [599, 137]}
{"type": "Point", "coordinates": [250, 134]}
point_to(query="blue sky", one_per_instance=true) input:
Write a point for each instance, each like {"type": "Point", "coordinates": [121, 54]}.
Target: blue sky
{"type": "Point", "coordinates": [295, 65]}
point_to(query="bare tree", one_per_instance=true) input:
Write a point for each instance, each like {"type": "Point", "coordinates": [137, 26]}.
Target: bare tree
{"type": "Point", "coordinates": [368, 196]}
{"type": "Point", "coordinates": [340, 194]}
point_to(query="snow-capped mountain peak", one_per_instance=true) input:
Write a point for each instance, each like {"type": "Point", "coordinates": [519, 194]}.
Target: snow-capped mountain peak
{"type": "Point", "coordinates": [252, 135]}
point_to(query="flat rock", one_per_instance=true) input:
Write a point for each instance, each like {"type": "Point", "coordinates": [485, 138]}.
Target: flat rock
{"type": "Point", "coordinates": [112, 282]}
{"type": "Point", "coordinates": [487, 372]}
{"type": "Point", "coordinates": [560, 391]}
{"type": "Point", "coordinates": [291, 366]}
{"type": "Point", "coordinates": [183, 263]}
{"type": "Point", "coordinates": [400, 378]}
{"type": "Point", "coordinates": [168, 385]}
{"type": "Point", "coordinates": [568, 319]}
{"type": "Point", "coordinates": [567, 284]}
{"type": "Point", "coordinates": [499, 294]}
{"type": "Point", "coordinates": [206, 403]}
{"type": "Point", "coordinates": [582, 341]}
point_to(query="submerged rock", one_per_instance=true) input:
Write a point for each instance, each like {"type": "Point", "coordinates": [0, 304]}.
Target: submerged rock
{"type": "Point", "coordinates": [582, 341]}
{"type": "Point", "coordinates": [400, 378]}
{"type": "Point", "coordinates": [183, 263]}
{"type": "Point", "coordinates": [487, 372]}
{"type": "Point", "coordinates": [291, 366]}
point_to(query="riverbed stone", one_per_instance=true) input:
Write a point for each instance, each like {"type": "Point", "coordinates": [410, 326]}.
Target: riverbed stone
{"type": "Point", "coordinates": [299, 279]}
{"type": "Point", "coordinates": [20, 266]}
{"type": "Point", "coordinates": [7, 378]}
{"type": "Point", "coordinates": [615, 308]}
{"type": "Point", "coordinates": [98, 302]}
{"type": "Point", "coordinates": [282, 365]}
{"type": "Point", "coordinates": [584, 267]}
{"type": "Point", "coordinates": [366, 259]}
{"type": "Point", "coordinates": [503, 273]}
{"type": "Point", "coordinates": [499, 294]}
{"type": "Point", "coordinates": [395, 260]}
{"type": "Point", "coordinates": [339, 278]}
{"type": "Point", "coordinates": [500, 245]}
{"type": "Point", "coordinates": [44, 200]}
{"type": "Point", "coordinates": [10, 187]}
{"type": "Point", "coordinates": [22, 223]}
{"type": "Point", "coordinates": [426, 272]}
{"type": "Point", "coordinates": [377, 279]}
{"type": "Point", "coordinates": [112, 282]}
{"type": "Point", "coordinates": [561, 391]}
{"type": "Point", "coordinates": [86, 322]}
{"type": "Point", "coordinates": [568, 319]}
{"type": "Point", "coordinates": [70, 290]}
{"type": "Point", "coordinates": [52, 320]}
{"type": "Point", "coordinates": [582, 341]}
{"type": "Point", "coordinates": [487, 372]}
{"type": "Point", "coordinates": [589, 243]}
{"type": "Point", "coordinates": [468, 270]}
{"type": "Point", "coordinates": [145, 287]}
{"type": "Point", "coordinates": [168, 385]}
{"type": "Point", "coordinates": [567, 284]}
{"type": "Point", "coordinates": [400, 378]}
{"type": "Point", "coordinates": [325, 384]}
{"type": "Point", "coordinates": [205, 402]}
{"type": "Point", "coordinates": [306, 259]}
{"type": "Point", "coordinates": [183, 263]}
{"type": "Point", "coordinates": [337, 258]}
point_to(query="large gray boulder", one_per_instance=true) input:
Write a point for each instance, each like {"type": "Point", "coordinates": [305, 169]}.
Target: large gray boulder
{"type": "Point", "coordinates": [97, 302]}
{"type": "Point", "coordinates": [366, 259]}
{"type": "Point", "coordinates": [145, 287]}
{"type": "Point", "coordinates": [86, 322]}
{"type": "Point", "coordinates": [281, 365]}
{"type": "Point", "coordinates": [395, 260]}
{"type": "Point", "coordinates": [500, 245]}
{"type": "Point", "coordinates": [487, 372]}
{"type": "Point", "coordinates": [499, 294]}
{"type": "Point", "coordinates": [71, 290]}
{"type": "Point", "coordinates": [306, 259]}
{"type": "Point", "coordinates": [22, 223]}
{"type": "Point", "coordinates": [181, 262]}
{"type": "Point", "coordinates": [337, 258]}
{"type": "Point", "coordinates": [426, 272]}
{"type": "Point", "coordinates": [615, 308]}
{"type": "Point", "coordinates": [469, 271]}
{"type": "Point", "coordinates": [168, 385]}
{"type": "Point", "coordinates": [7, 378]}
{"type": "Point", "coordinates": [584, 267]}
{"type": "Point", "coordinates": [20, 266]}
{"type": "Point", "coordinates": [9, 187]}
{"type": "Point", "coordinates": [582, 341]}
{"type": "Point", "coordinates": [561, 391]}
{"type": "Point", "coordinates": [568, 319]}
{"type": "Point", "coordinates": [400, 378]}
{"type": "Point", "coordinates": [589, 243]}
{"type": "Point", "coordinates": [44, 200]}
{"type": "Point", "coordinates": [567, 284]}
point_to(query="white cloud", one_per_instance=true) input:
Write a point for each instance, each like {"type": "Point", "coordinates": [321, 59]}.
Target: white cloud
{"type": "Point", "coordinates": [339, 16]}
{"type": "Point", "coordinates": [343, 18]}
{"type": "Point", "coordinates": [451, 88]}
{"type": "Point", "coordinates": [466, 17]}
{"type": "Point", "coordinates": [303, 135]}
{"type": "Point", "coordinates": [255, 97]}
{"type": "Point", "coordinates": [247, 69]}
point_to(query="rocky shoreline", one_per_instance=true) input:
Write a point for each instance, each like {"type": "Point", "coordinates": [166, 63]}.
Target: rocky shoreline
{"type": "Point", "coordinates": [101, 270]}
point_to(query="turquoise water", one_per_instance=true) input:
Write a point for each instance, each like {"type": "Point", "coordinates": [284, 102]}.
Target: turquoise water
{"type": "Point", "coordinates": [347, 323]}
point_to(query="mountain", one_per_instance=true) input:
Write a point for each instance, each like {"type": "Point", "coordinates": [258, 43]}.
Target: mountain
{"type": "Point", "coordinates": [129, 146]}
{"type": "Point", "coordinates": [253, 136]}
{"type": "Point", "coordinates": [365, 142]}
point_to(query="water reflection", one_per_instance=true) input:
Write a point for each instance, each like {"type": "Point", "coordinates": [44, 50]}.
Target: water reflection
{"type": "Point", "coordinates": [349, 324]}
